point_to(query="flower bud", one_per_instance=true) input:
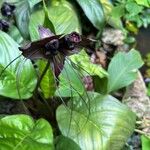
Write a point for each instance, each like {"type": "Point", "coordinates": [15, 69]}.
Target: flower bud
{"type": "Point", "coordinates": [4, 25]}
{"type": "Point", "coordinates": [52, 47]}
{"type": "Point", "coordinates": [7, 9]}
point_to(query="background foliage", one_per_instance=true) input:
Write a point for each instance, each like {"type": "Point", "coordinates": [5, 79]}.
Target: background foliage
{"type": "Point", "coordinates": [84, 120]}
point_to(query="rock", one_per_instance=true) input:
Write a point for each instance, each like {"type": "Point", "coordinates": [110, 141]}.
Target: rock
{"type": "Point", "coordinates": [136, 98]}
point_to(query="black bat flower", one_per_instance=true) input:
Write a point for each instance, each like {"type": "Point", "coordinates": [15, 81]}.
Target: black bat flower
{"type": "Point", "coordinates": [52, 46]}
{"type": "Point", "coordinates": [7, 9]}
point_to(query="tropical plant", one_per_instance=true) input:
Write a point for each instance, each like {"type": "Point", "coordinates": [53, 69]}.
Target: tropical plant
{"type": "Point", "coordinates": [72, 117]}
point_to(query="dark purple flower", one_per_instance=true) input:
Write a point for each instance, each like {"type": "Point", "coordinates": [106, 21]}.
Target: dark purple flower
{"type": "Point", "coordinates": [71, 40]}
{"type": "Point", "coordinates": [88, 83]}
{"type": "Point", "coordinates": [52, 47]}
{"type": "Point", "coordinates": [44, 32]}
{"type": "Point", "coordinates": [7, 9]}
{"type": "Point", "coordinates": [74, 37]}
{"type": "Point", "coordinates": [4, 25]}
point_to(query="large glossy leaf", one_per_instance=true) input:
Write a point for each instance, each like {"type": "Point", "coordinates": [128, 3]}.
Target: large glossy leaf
{"type": "Point", "coordinates": [145, 142]}
{"type": "Point", "coordinates": [76, 67]}
{"type": "Point", "coordinates": [83, 64]}
{"type": "Point", "coordinates": [47, 21]}
{"type": "Point", "coordinates": [62, 15]}
{"type": "Point", "coordinates": [22, 15]}
{"type": "Point", "coordinates": [94, 12]}
{"type": "Point", "coordinates": [111, 19]}
{"type": "Point", "coordinates": [19, 79]}
{"type": "Point", "coordinates": [123, 69]}
{"type": "Point", "coordinates": [70, 82]}
{"type": "Point", "coordinates": [107, 125]}
{"type": "Point", "coordinates": [21, 132]}
{"type": "Point", "coordinates": [34, 23]}
{"type": "Point", "coordinates": [64, 143]}
{"type": "Point", "coordinates": [47, 85]}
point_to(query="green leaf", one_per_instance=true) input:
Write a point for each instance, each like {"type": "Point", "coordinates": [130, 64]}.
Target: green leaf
{"type": "Point", "coordinates": [110, 18]}
{"type": "Point", "coordinates": [100, 84]}
{"type": "Point", "coordinates": [130, 40]}
{"type": "Point", "coordinates": [20, 76]}
{"type": "Point", "coordinates": [145, 142]}
{"type": "Point", "coordinates": [75, 68]}
{"type": "Point", "coordinates": [107, 6]}
{"type": "Point", "coordinates": [22, 15]}
{"type": "Point", "coordinates": [47, 85]}
{"type": "Point", "coordinates": [47, 21]}
{"type": "Point", "coordinates": [34, 23]}
{"type": "Point", "coordinates": [32, 3]}
{"type": "Point", "coordinates": [62, 15]}
{"type": "Point", "coordinates": [118, 11]}
{"type": "Point", "coordinates": [133, 8]}
{"type": "Point", "coordinates": [64, 143]}
{"type": "Point", "coordinates": [70, 82]}
{"type": "Point", "coordinates": [122, 69]}
{"type": "Point", "coordinates": [94, 12]}
{"type": "Point", "coordinates": [83, 64]}
{"type": "Point", "coordinates": [115, 22]}
{"type": "Point", "coordinates": [143, 2]}
{"type": "Point", "coordinates": [21, 132]}
{"type": "Point", "coordinates": [148, 89]}
{"type": "Point", "coordinates": [15, 34]}
{"type": "Point", "coordinates": [1, 3]}
{"type": "Point", "coordinates": [107, 125]}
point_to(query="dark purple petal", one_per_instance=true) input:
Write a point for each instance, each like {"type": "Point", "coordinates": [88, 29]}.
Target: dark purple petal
{"type": "Point", "coordinates": [73, 37]}
{"type": "Point", "coordinates": [4, 25]}
{"type": "Point", "coordinates": [52, 47]}
{"type": "Point", "coordinates": [44, 32]}
{"type": "Point", "coordinates": [7, 9]}
{"type": "Point", "coordinates": [88, 83]}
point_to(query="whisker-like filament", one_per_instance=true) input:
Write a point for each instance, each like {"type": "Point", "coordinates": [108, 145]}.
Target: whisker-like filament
{"type": "Point", "coordinates": [80, 77]}
{"type": "Point", "coordinates": [87, 103]}
{"type": "Point", "coordinates": [63, 100]}
{"type": "Point", "coordinates": [76, 66]}
{"type": "Point", "coordinates": [19, 70]}
{"type": "Point", "coordinates": [71, 103]}
{"type": "Point", "coordinates": [17, 84]}
{"type": "Point", "coordinates": [42, 75]}
{"type": "Point", "coordinates": [9, 65]}
{"type": "Point", "coordinates": [67, 75]}
{"type": "Point", "coordinates": [88, 106]}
